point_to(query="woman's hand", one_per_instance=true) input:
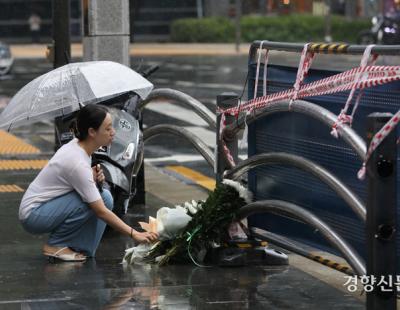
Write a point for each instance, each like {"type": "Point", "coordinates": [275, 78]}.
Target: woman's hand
{"type": "Point", "coordinates": [144, 237]}
{"type": "Point", "coordinates": [98, 175]}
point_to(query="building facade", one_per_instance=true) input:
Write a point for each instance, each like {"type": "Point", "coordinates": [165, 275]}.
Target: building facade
{"type": "Point", "coordinates": [151, 19]}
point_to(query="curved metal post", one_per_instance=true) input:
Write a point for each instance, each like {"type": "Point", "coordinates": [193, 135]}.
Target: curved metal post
{"type": "Point", "coordinates": [200, 146]}
{"type": "Point", "coordinates": [180, 97]}
{"type": "Point", "coordinates": [286, 208]}
{"type": "Point", "coordinates": [306, 165]}
{"type": "Point", "coordinates": [312, 110]}
{"type": "Point", "coordinates": [294, 247]}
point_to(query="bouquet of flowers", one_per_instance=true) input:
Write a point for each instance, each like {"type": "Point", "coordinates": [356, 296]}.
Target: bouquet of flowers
{"type": "Point", "coordinates": [188, 232]}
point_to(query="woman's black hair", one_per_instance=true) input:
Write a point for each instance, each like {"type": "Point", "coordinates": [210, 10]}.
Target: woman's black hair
{"type": "Point", "coordinates": [90, 116]}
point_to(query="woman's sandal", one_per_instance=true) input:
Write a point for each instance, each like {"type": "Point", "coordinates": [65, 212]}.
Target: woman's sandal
{"type": "Point", "coordinates": [73, 257]}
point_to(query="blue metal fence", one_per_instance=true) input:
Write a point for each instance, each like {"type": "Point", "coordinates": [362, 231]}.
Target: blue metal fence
{"type": "Point", "coordinates": [303, 136]}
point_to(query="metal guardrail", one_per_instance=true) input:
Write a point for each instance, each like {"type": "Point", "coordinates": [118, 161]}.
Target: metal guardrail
{"type": "Point", "coordinates": [306, 165]}
{"type": "Point", "coordinates": [172, 95]}
{"type": "Point", "coordinates": [381, 170]}
{"type": "Point", "coordinates": [324, 48]}
{"type": "Point", "coordinates": [309, 109]}
{"type": "Point", "coordinates": [200, 146]}
{"type": "Point", "coordinates": [233, 126]}
{"type": "Point", "coordinates": [286, 208]}
{"type": "Point", "coordinates": [181, 98]}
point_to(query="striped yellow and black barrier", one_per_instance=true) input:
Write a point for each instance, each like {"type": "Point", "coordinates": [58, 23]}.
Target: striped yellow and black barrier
{"type": "Point", "coordinates": [328, 48]}
{"type": "Point", "coordinates": [245, 244]}
{"type": "Point", "coordinates": [331, 264]}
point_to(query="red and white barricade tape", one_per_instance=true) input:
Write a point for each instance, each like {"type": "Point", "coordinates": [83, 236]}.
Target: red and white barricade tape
{"type": "Point", "coordinates": [260, 51]}
{"type": "Point", "coordinates": [227, 153]}
{"type": "Point", "coordinates": [305, 64]}
{"type": "Point", "coordinates": [358, 78]}
{"type": "Point", "coordinates": [369, 76]}
{"type": "Point", "coordinates": [343, 117]}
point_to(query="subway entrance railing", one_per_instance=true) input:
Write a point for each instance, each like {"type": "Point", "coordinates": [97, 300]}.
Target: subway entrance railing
{"type": "Point", "coordinates": [304, 180]}
{"type": "Point", "coordinates": [290, 146]}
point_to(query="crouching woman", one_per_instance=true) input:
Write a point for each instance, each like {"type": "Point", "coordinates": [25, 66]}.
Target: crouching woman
{"type": "Point", "coordinates": [64, 201]}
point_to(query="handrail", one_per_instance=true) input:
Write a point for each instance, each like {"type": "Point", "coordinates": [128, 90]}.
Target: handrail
{"type": "Point", "coordinates": [306, 165]}
{"type": "Point", "coordinates": [180, 97]}
{"type": "Point", "coordinates": [199, 145]}
{"type": "Point", "coordinates": [323, 48]}
{"type": "Point", "coordinates": [307, 108]}
{"type": "Point", "coordinates": [289, 209]}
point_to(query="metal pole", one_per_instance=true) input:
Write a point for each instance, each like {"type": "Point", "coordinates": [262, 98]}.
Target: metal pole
{"type": "Point", "coordinates": [328, 21]}
{"type": "Point", "coordinates": [199, 4]}
{"type": "Point", "coordinates": [194, 140]}
{"type": "Point", "coordinates": [238, 16]}
{"type": "Point", "coordinates": [381, 217]}
{"type": "Point", "coordinates": [276, 158]}
{"type": "Point", "coordinates": [225, 101]}
{"type": "Point", "coordinates": [176, 96]}
{"type": "Point", "coordinates": [316, 48]}
{"type": "Point", "coordinates": [61, 32]}
{"type": "Point", "coordinates": [310, 109]}
{"type": "Point", "coordinates": [61, 46]}
{"type": "Point", "coordinates": [291, 210]}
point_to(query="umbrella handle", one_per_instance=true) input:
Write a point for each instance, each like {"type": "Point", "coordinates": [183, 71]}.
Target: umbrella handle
{"type": "Point", "coordinates": [98, 184]}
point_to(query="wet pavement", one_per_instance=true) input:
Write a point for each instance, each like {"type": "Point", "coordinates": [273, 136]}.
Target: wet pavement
{"type": "Point", "coordinates": [29, 281]}
{"type": "Point", "coordinates": [106, 284]}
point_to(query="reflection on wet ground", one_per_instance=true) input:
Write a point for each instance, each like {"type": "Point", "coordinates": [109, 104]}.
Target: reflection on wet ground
{"type": "Point", "coordinates": [29, 281]}
{"type": "Point", "coordinates": [106, 284]}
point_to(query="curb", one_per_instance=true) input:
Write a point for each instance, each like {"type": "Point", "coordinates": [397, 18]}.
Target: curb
{"type": "Point", "coordinates": [142, 49]}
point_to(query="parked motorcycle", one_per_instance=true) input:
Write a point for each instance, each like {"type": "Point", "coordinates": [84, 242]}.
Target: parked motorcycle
{"type": "Point", "coordinates": [122, 159]}
{"type": "Point", "coordinates": [384, 30]}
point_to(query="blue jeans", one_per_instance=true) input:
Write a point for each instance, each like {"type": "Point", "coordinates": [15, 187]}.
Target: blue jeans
{"type": "Point", "coordinates": [70, 222]}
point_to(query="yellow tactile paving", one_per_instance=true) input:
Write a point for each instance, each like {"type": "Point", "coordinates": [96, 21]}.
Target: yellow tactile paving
{"type": "Point", "coordinates": [10, 144]}
{"type": "Point", "coordinates": [22, 164]}
{"type": "Point", "coordinates": [10, 189]}
{"type": "Point", "coordinates": [195, 176]}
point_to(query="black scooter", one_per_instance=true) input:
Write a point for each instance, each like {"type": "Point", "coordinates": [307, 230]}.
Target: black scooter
{"type": "Point", "coordinates": [122, 159]}
{"type": "Point", "coordinates": [384, 30]}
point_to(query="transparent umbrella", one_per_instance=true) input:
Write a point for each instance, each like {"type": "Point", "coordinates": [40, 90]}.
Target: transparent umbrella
{"type": "Point", "coordinates": [66, 89]}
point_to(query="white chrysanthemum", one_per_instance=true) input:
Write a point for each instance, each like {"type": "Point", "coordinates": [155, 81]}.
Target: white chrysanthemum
{"type": "Point", "coordinates": [190, 207]}
{"type": "Point", "coordinates": [243, 192]}
{"type": "Point", "coordinates": [197, 205]}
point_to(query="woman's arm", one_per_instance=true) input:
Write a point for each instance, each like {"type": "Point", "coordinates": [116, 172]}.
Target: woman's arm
{"type": "Point", "coordinates": [115, 222]}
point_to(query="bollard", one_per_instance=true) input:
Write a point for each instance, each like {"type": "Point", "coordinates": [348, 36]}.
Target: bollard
{"type": "Point", "coordinates": [381, 217]}
{"type": "Point", "coordinates": [224, 101]}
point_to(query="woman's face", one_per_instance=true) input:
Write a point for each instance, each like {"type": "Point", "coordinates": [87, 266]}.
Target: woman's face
{"type": "Point", "coordinates": [105, 133]}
